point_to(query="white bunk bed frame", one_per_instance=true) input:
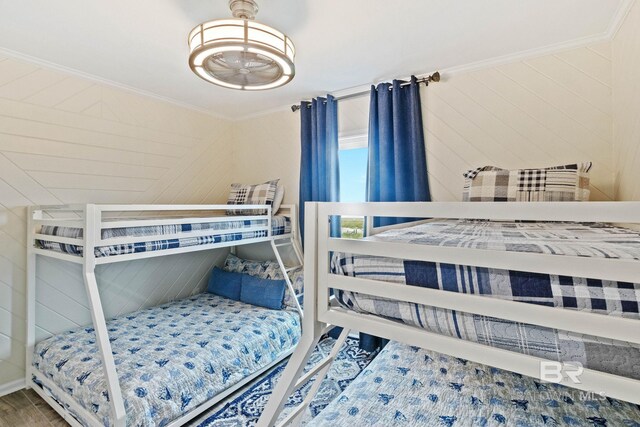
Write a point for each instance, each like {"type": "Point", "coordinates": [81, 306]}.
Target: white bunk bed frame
{"type": "Point", "coordinates": [322, 311]}
{"type": "Point", "coordinates": [90, 218]}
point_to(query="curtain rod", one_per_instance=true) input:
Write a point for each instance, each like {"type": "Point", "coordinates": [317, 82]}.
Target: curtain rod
{"type": "Point", "coordinates": [435, 77]}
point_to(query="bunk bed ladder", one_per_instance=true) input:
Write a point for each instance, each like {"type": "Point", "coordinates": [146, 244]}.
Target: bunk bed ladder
{"type": "Point", "coordinates": [294, 377]}
{"type": "Point", "coordinates": [288, 241]}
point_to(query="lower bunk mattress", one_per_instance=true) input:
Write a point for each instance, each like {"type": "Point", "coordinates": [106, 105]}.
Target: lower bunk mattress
{"type": "Point", "coordinates": [169, 358]}
{"type": "Point", "coordinates": [221, 231]}
{"type": "Point", "coordinates": [573, 239]}
{"type": "Point", "coordinates": [408, 386]}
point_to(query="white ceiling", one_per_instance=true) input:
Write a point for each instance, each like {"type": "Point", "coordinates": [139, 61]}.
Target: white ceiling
{"type": "Point", "coordinates": [340, 43]}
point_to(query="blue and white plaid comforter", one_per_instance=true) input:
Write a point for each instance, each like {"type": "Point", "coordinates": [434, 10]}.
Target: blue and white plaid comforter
{"type": "Point", "coordinates": [169, 358]}
{"type": "Point", "coordinates": [587, 240]}
{"type": "Point", "coordinates": [219, 233]}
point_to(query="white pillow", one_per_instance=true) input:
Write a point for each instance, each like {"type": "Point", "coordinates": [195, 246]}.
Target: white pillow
{"type": "Point", "coordinates": [277, 200]}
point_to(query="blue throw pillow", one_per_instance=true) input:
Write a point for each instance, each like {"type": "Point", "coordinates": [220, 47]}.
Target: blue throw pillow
{"type": "Point", "coordinates": [262, 292]}
{"type": "Point", "coordinates": [225, 283]}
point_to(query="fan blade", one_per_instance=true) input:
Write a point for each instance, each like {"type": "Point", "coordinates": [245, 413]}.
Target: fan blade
{"type": "Point", "coordinates": [226, 72]}
{"type": "Point", "coordinates": [215, 66]}
{"type": "Point", "coordinates": [262, 63]}
{"type": "Point", "coordinates": [227, 61]}
{"type": "Point", "coordinates": [264, 68]}
{"type": "Point", "coordinates": [265, 75]}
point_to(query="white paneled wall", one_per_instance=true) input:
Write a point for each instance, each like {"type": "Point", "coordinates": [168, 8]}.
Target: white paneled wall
{"type": "Point", "coordinates": [125, 287]}
{"type": "Point", "coordinates": [268, 147]}
{"type": "Point", "coordinates": [626, 106]}
{"type": "Point", "coordinates": [544, 111]}
{"type": "Point", "coordinates": [64, 139]}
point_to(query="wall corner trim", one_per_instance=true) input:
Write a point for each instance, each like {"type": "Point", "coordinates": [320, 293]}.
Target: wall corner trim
{"type": "Point", "coordinates": [619, 18]}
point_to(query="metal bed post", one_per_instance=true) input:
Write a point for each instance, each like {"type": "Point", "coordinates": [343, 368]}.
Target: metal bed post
{"type": "Point", "coordinates": [296, 232]}
{"type": "Point", "coordinates": [313, 328]}
{"type": "Point", "coordinates": [32, 214]}
{"type": "Point", "coordinates": [285, 274]}
{"type": "Point", "coordinates": [92, 231]}
{"type": "Point", "coordinates": [290, 241]}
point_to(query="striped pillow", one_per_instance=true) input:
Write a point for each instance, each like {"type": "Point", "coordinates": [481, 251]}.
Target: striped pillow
{"type": "Point", "coordinates": [257, 194]}
{"type": "Point", "coordinates": [568, 183]}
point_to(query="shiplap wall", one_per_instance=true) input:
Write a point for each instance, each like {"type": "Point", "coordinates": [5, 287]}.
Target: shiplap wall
{"type": "Point", "coordinates": [626, 106]}
{"type": "Point", "coordinates": [268, 147]}
{"type": "Point", "coordinates": [65, 139]}
{"type": "Point", "coordinates": [544, 111]}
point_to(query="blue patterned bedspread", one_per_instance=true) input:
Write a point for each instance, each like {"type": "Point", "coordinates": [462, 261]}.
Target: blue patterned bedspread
{"type": "Point", "coordinates": [586, 240]}
{"type": "Point", "coordinates": [408, 386]}
{"type": "Point", "coordinates": [169, 358]}
{"type": "Point", "coordinates": [219, 233]}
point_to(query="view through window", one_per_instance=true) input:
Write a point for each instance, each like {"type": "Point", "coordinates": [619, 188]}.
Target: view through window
{"type": "Point", "coordinates": [353, 185]}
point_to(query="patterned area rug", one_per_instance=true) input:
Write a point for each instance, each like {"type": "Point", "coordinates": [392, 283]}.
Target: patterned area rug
{"type": "Point", "coordinates": [244, 410]}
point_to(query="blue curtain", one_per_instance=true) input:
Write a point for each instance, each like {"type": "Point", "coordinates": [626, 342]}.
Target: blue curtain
{"type": "Point", "coordinates": [397, 168]}
{"type": "Point", "coordinates": [319, 171]}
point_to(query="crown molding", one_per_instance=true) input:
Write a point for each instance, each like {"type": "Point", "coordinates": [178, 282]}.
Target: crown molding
{"type": "Point", "coordinates": [525, 54]}
{"type": "Point", "coordinates": [106, 82]}
{"type": "Point", "coordinates": [613, 28]}
{"type": "Point", "coordinates": [257, 115]}
{"type": "Point", "coordinates": [478, 65]}
{"type": "Point", "coordinates": [608, 35]}
{"type": "Point", "coordinates": [619, 17]}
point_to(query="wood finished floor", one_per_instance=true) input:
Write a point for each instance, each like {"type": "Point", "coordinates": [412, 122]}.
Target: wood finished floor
{"type": "Point", "coordinates": [26, 408]}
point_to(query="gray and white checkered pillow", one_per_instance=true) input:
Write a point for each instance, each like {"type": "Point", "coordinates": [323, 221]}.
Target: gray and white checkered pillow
{"type": "Point", "coordinates": [567, 183]}
{"type": "Point", "coordinates": [256, 194]}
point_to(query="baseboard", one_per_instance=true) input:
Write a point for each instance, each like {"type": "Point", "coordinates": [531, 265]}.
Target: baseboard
{"type": "Point", "coordinates": [12, 386]}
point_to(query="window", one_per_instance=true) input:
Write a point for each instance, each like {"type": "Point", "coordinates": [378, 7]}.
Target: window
{"type": "Point", "coordinates": [353, 125]}
{"type": "Point", "coordinates": [353, 185]}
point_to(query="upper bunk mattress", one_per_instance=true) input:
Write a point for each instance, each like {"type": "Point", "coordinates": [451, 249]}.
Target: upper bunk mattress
{"type": "Point", "coordinates": [219, 233]}
{"type": "Point", "coordinates": [408, 386]}
{"type": "Point", "coordinates": [573, 239]}
{"type": "Point", "coordinates": [169, 358]}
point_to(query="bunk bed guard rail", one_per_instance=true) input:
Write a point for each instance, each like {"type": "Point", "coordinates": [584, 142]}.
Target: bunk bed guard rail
{"type": "Point", "coordinates": [322, 311]}
{"type": "Point", "coordinates": [318, 281]}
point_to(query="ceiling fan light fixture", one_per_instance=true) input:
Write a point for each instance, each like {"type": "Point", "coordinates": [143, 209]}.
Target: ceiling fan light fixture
{"type": "Point", "coordinates": [241, 53]}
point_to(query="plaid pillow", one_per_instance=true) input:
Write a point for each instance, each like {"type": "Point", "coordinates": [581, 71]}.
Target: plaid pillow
{"type": "Point", "coordinates": [566, 183]}
{"type": "Point", "coordinates": [267, 270]}
{"type": "Point", "coordinates": [246, 194]}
